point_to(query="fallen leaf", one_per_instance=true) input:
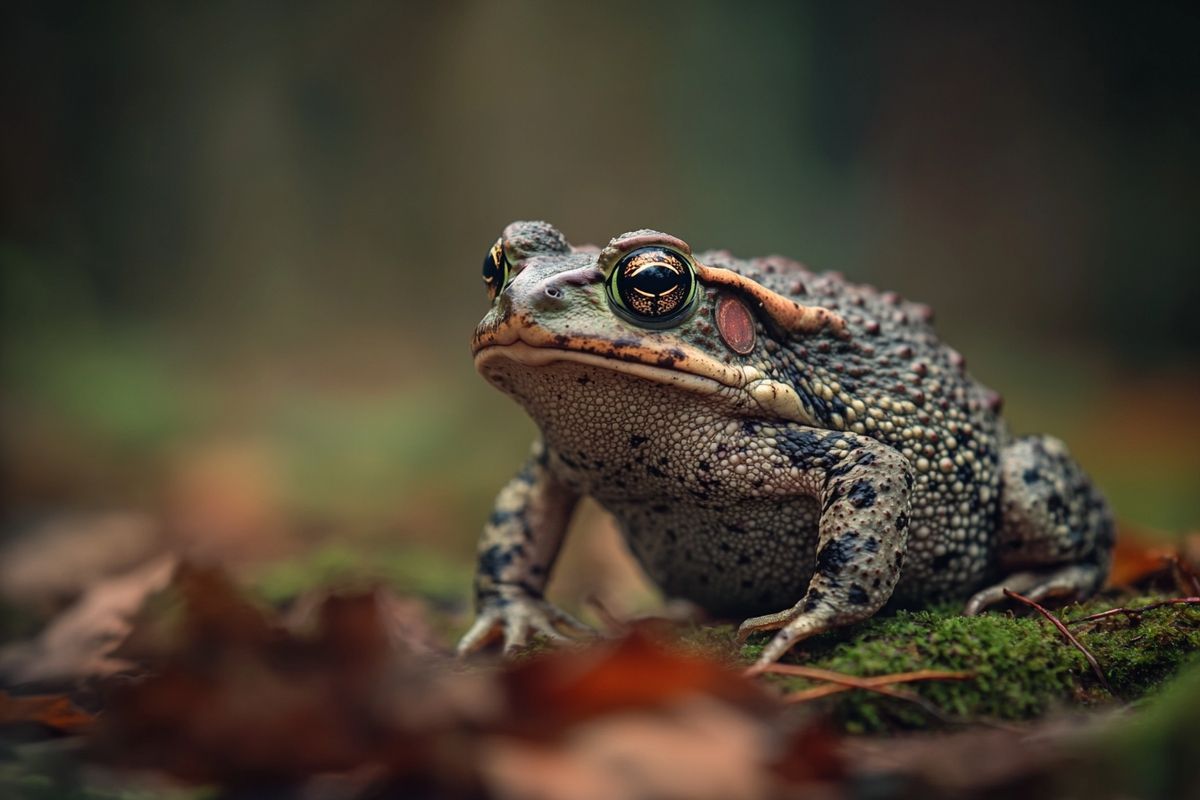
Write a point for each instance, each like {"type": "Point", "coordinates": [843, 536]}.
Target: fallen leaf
{"type": "Point", "coordinates": [639, 672]}
{"type": "Point", "coordinates": [53, 711]}
{"type": "Point", "coordinates": [1142, 557]}
{"type": "Point", "coordinates": [59, 559]}
{"type": "Point", "coordinates": [82, 641]}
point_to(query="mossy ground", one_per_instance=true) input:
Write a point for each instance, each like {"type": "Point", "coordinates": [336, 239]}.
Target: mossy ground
{"type": "Point", "coordinates": [1023, 667]}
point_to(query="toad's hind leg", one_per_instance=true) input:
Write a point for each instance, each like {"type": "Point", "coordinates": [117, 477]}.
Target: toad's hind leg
{"type": "Point", "coordinates": [1056, 532]}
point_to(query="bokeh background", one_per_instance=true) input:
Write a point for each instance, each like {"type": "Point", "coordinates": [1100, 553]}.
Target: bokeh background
{"type": "Point", "coordinates": [240, 243]}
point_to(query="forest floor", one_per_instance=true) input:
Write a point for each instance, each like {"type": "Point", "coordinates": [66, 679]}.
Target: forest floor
{"type": "Point", "coordinates": [331, 676]}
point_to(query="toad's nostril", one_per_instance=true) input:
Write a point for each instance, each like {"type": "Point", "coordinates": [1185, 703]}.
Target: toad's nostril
{"type": "Point", "coordinates": [554, 293]}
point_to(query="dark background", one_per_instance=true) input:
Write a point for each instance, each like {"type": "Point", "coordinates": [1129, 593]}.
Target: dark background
{"type": "Point", "coordinates": [240, 243]}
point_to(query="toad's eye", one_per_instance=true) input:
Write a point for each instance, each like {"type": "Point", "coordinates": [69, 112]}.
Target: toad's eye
{"type": "Point", "coordinates": [495, 270]}
{"type": "Point", "coordinates": [652, 286]}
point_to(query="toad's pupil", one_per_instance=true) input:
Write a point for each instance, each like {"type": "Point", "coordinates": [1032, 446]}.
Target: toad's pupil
{"type": "Point", "coordinates": [653, 283]}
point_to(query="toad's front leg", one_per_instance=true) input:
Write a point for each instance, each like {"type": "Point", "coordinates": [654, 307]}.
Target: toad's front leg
{"type": "Point", "coordinates": [519, 544]}
{"type": "Point", "coordinates": [865, 491]}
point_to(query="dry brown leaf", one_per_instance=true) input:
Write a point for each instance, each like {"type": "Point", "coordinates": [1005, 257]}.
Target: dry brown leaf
{"type": "Point", "coordinates": [53, 711]}
{"type": "Point", "coordinates": [82, 641]}
{"type": "Point", "coordinates": [636, 672]}
{"type": "Point", "coordinates": [236, 698]}
{"type": "Point", "coordinates": [59, 559]}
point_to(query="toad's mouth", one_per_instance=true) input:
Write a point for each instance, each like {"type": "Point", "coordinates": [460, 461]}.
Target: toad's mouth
{"type": "Point", "coordinates": [531, 346]}
{"type": "Point", "coordinates": [673, 366]}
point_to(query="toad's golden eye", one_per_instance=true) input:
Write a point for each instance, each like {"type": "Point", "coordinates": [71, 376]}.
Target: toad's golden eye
{"type": "Point", "coordinates": [652, 286]}
{"type": "Point", "coordinates": [495, 270]}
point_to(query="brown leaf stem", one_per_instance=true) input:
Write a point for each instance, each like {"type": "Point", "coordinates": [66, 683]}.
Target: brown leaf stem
{"type": "Point", "coordinates": [1134, 612]}
{"type": "Point", "coordinates": [1078, 645]}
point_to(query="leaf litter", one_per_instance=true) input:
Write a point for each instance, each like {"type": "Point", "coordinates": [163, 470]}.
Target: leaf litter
{"type": "Point", "coordinates": [354, 695]}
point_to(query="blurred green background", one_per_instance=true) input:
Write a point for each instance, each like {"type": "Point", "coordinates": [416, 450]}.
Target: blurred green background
{"type": "Point", "coordinates": [240, 243]}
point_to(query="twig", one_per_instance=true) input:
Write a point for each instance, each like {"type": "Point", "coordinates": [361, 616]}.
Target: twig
{"type": "Point", "coordinates": [1057, 623]}
{"type": "Point", "coordinates": [1133, 612]}
{"type": "Point", "coordinates": [837, 682]}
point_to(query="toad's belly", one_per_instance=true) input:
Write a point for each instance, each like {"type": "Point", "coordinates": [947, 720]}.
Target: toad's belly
{"type": "Point", "coordinates": [754, 557]}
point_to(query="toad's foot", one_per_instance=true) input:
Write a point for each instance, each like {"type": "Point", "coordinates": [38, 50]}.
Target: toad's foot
{"type": "Point", "coordinates": [767, 622]}
{"type": "Point", "coordinates": [1074, 581]}
{"type": "Point", "coordinates": [516, 618]}
{"type": "Point", "coordinates": [793, 625]}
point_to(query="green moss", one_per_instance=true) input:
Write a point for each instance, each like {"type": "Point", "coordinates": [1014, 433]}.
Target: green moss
{"type": "Point", "coordinates": [1023, 667]}
{"type": "Point", "coordinates": [1139, 654]}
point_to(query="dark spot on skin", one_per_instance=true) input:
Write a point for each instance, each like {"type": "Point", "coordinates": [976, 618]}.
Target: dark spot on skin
{"type": "Point", "coordinates": [942, 561]}
{"type": "Point", "coordinates": [813, 599]}
{"type": "Point", "coordinates": [734, 528]}
{"type": "Point", "coordinates": [857, 595]}
{"type": "Point", "coordinates": [656, 472]}
{"type": "Point", "coordinates": [626, 341]}
{"type": "Point", "coordinates": [807, 449]}
{"type": "Point", "coordinates": [493, 560]}
{"type": "Point", "coordinates": [901, 522]}
{"type": "Point", "coordinates": [743, 560]}
{"type": "Point", "coordinates": [862, 494]}
{"type": "Point", "coordinates": [747, 584]}
{"type": "Point", "coordinates": [499, 518]}
{"type": "Point", "coordinates": [637, 441]}
{"type": "Point", "coordinates": [1057, 508]}
{"type": "Point", "coordinates": [871, 544]}
{"type": "Point", "coordinates": [833, 494]}
{"type": "Point", "coordinates": [836, 554]}
{"type": "Point", "coordinates": [704, 466]}
{"type": "Point", "coordinates": [537, 569]}
{"type": "Point", "coordinates": [659, 508]}
{"type": "Point", "coordinates": [583, 380]}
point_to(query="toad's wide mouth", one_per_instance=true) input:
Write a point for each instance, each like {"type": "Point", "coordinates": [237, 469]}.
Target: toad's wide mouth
{"type": "Point", "coordinates": [637, 356]}
{"type": "Point", "coordinates": [530, 356]}
{"type": "Point", "coordinates": [675, 366]}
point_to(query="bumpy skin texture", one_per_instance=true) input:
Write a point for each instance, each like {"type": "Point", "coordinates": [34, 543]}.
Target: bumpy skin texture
{"type": "Point", "coordinates": [845, 461]}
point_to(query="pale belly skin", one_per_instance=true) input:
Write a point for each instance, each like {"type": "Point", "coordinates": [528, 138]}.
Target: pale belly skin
{"type": "Point", "coordinates": [900, 485]}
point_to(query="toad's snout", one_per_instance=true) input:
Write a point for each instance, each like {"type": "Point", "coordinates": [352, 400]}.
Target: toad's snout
{"type": "Point", "coordinates": [539, 292]}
